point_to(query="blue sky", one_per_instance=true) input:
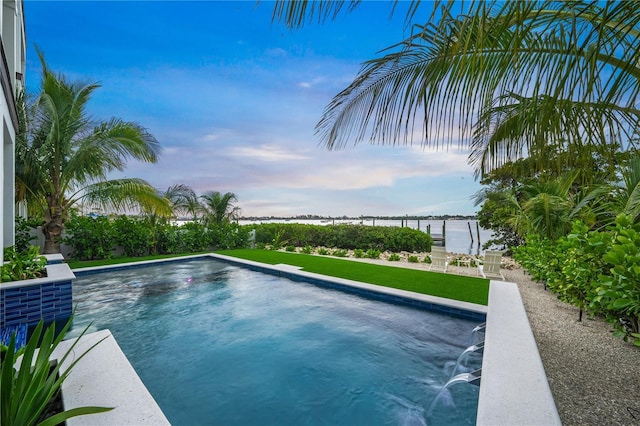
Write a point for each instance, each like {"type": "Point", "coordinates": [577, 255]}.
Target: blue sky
{"type": "Point", "coordinates": [233, 100]}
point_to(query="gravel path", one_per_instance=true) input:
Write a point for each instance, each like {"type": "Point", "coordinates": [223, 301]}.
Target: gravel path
{"type": "Point", "coordinates": [594, 377]}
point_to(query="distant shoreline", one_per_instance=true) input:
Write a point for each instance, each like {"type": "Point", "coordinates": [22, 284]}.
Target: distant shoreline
{"type": "Point", "coordinates": [363, 217]}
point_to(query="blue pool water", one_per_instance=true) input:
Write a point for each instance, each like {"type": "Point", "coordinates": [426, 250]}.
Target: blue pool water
{"type": "Point", "coordinates": [219, 344]}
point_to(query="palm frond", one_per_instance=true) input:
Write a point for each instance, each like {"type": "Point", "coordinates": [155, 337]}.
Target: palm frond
{"type": "Point", "coordinates": [538, 127]}
{"type": "Point", "coordinates": [631, 188]}
{"type": "Point", "coordinates": [220, 206]}
{"type": "Point", "coordinates": [125, 195]}
{"type": "Point", "coordinates": [108, 147]}
{"type": "Point", "coordinates": [294, 13]}
{"type": "Point", "coordinates": [581, 57]}
{"type": "Point", "coordinates": [181, 198]}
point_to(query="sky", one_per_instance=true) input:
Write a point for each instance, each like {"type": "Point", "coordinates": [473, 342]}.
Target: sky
{"type": "Point", "coordinates": [233, 99]}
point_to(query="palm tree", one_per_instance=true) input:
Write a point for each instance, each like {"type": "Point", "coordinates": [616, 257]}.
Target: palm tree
{"type": "Point", "coordinates": [219, 207]}
{"type": "Point", "coordinates": [503, 213]}
{"type": "Point", "coordinates": [550, 206]}
{"type": "Point", "coordinates": [512, 77]}
{"type": "Point", "coordinates": [182, 199]}
{"type": "Point", "coordinates": [63, 158]}
{"type": "Point", "coordinates": [625, 194]}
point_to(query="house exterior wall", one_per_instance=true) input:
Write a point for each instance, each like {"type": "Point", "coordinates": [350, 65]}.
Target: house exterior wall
{"type": "Point", "coordinates": [12, 68]}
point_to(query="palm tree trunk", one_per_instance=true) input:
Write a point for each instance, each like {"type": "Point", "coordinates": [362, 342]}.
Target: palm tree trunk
{"type": "Point", "coordinates": [52, 227]}
{"type": "Point", "coordinates": [52, 231]}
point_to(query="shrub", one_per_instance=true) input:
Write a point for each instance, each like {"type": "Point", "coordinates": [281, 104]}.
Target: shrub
{"type": "Point", "coordinates": [93, 238]}
{"type": "Point", "coordinates": [346, 237]}
{"type": "Point", "coordinates": [306, 249]}
{"type": "Point", "coordinates": [23, 234]}
{"type": "Point", "coordinates": [373, 254]}
{"type": "Point", "coordinates": [194, 237]}
{"type": "Point", "coordinates": [323, 251]}
{"type": "Point", "coordinates": [290, 248]}
{"type": "Point", "coordinates": [540, 258]}
{"type": "Point", "coordinates": [163, 239]}
{"type": "Point", "coordinates": [227, 235]}
{"type": "Point", "coordinates": [581, 255]}
{"type": "Point", "coordinates": [190, 237]}
{"type": "Point", "coordinates": [413, 259]}
{"type": "Point", "coordinates": [22, 265]}
{"type": "Point", "coordinates": [90, 237]}
{"type": "Point", "coordinates": [619, 293]}
{"type": "Point", "coordinates": [358, 253]}
{"type": "Point", "coordinates": [133, 234]}
{"type": "Point", "coordinates": [340, 253]}
{"type": "Point", "coordinates": [593, 270]}
{"type": "Point", "coordinates": [394, 257]}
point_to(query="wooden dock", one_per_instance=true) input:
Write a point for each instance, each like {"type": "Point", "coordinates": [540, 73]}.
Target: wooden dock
{"type": "Point", "coordinates": [438, 239]}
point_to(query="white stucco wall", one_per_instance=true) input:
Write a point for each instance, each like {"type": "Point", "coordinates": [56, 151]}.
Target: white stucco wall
{"type": "Point", "coordinates": [12, 34]}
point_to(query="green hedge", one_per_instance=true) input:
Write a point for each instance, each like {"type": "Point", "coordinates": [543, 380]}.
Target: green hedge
{"type": "Point", "coordinates": [98, 237]}
{"type": "Point", "coordinates": [383, 238]}
{"type": "Point", "coordinates": [597, 271]}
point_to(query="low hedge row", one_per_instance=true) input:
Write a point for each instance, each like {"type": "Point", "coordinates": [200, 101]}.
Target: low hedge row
{"type": "Point", "coordinates": [596, 270]}
{"type": "Point", "coordinates": [100, 237]}
{"type": "Point", "coordinates": [383, 238]}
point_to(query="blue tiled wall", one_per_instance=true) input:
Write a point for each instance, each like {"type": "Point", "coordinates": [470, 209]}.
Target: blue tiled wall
{"type": "Point", "coordinates": [28, 304]}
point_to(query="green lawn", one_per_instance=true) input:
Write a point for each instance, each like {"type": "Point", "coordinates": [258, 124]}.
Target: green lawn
{"type": "Point", "coordinates": [466, 289]}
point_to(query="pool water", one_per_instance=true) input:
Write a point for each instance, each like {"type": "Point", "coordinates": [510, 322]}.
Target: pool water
{"type": "Point", "coordinates": [219, 344]}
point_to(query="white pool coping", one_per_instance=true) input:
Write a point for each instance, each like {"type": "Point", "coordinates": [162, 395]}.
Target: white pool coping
{"type": "Point", "coordinates": [513, 391]}
{"type": "Point", "coordinates": [104, 377]}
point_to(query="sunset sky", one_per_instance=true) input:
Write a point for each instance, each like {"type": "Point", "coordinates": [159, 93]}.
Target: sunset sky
{"type": "Point", "coordinates": [233, 100]}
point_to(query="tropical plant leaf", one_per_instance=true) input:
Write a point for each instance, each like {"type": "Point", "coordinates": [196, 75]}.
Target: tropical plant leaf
{"type": "Point", "coordinates": [27, 391]}
{"type": "Point", "coordinates": [59, 418]}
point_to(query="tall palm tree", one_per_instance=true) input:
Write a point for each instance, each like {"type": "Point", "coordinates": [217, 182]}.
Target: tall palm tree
{"type": "Point", "coordinates": [219, 207]}
{"type": "Point", "coordinates": [182, 199]}
{"type": "Point", "coordinates": [549, 206]}
{"type": "Point", "coordinates": [63, 158]}
{"type": "Point", "coordinates": [510, 77]}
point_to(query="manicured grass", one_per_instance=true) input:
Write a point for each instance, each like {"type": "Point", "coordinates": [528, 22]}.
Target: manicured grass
{"type": "Point", "coordinates": [450, 286]}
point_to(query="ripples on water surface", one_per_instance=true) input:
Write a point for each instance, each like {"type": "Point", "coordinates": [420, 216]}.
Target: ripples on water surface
{"type": "Point", "coordinates": [217, 344]}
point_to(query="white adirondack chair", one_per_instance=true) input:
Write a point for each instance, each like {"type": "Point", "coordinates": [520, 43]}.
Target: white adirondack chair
{"type": "Point", "coordinates": [438, 259]}
{"type": "Point", "coordinates": [490, 267]}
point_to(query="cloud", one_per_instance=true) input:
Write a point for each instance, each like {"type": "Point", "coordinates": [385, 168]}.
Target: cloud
{"type": "Point", "coordinates": [277, 52]}
{"type": "Point", "coordinates": [314, 82]}
{"type": "Point", "coordinates": [244, 122]}
{"type": "Point", "coordinates": [213, 136]}
{"type": "Point", "coordinates": [266, 153]}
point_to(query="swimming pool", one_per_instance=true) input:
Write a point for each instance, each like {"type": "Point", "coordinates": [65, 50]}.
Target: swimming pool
{"type": "Point", "coordinates": [218, 344]}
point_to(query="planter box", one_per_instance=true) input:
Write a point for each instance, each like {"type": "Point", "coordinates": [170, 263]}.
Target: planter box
{"type": "Point", "coordinates": [27, 301]}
